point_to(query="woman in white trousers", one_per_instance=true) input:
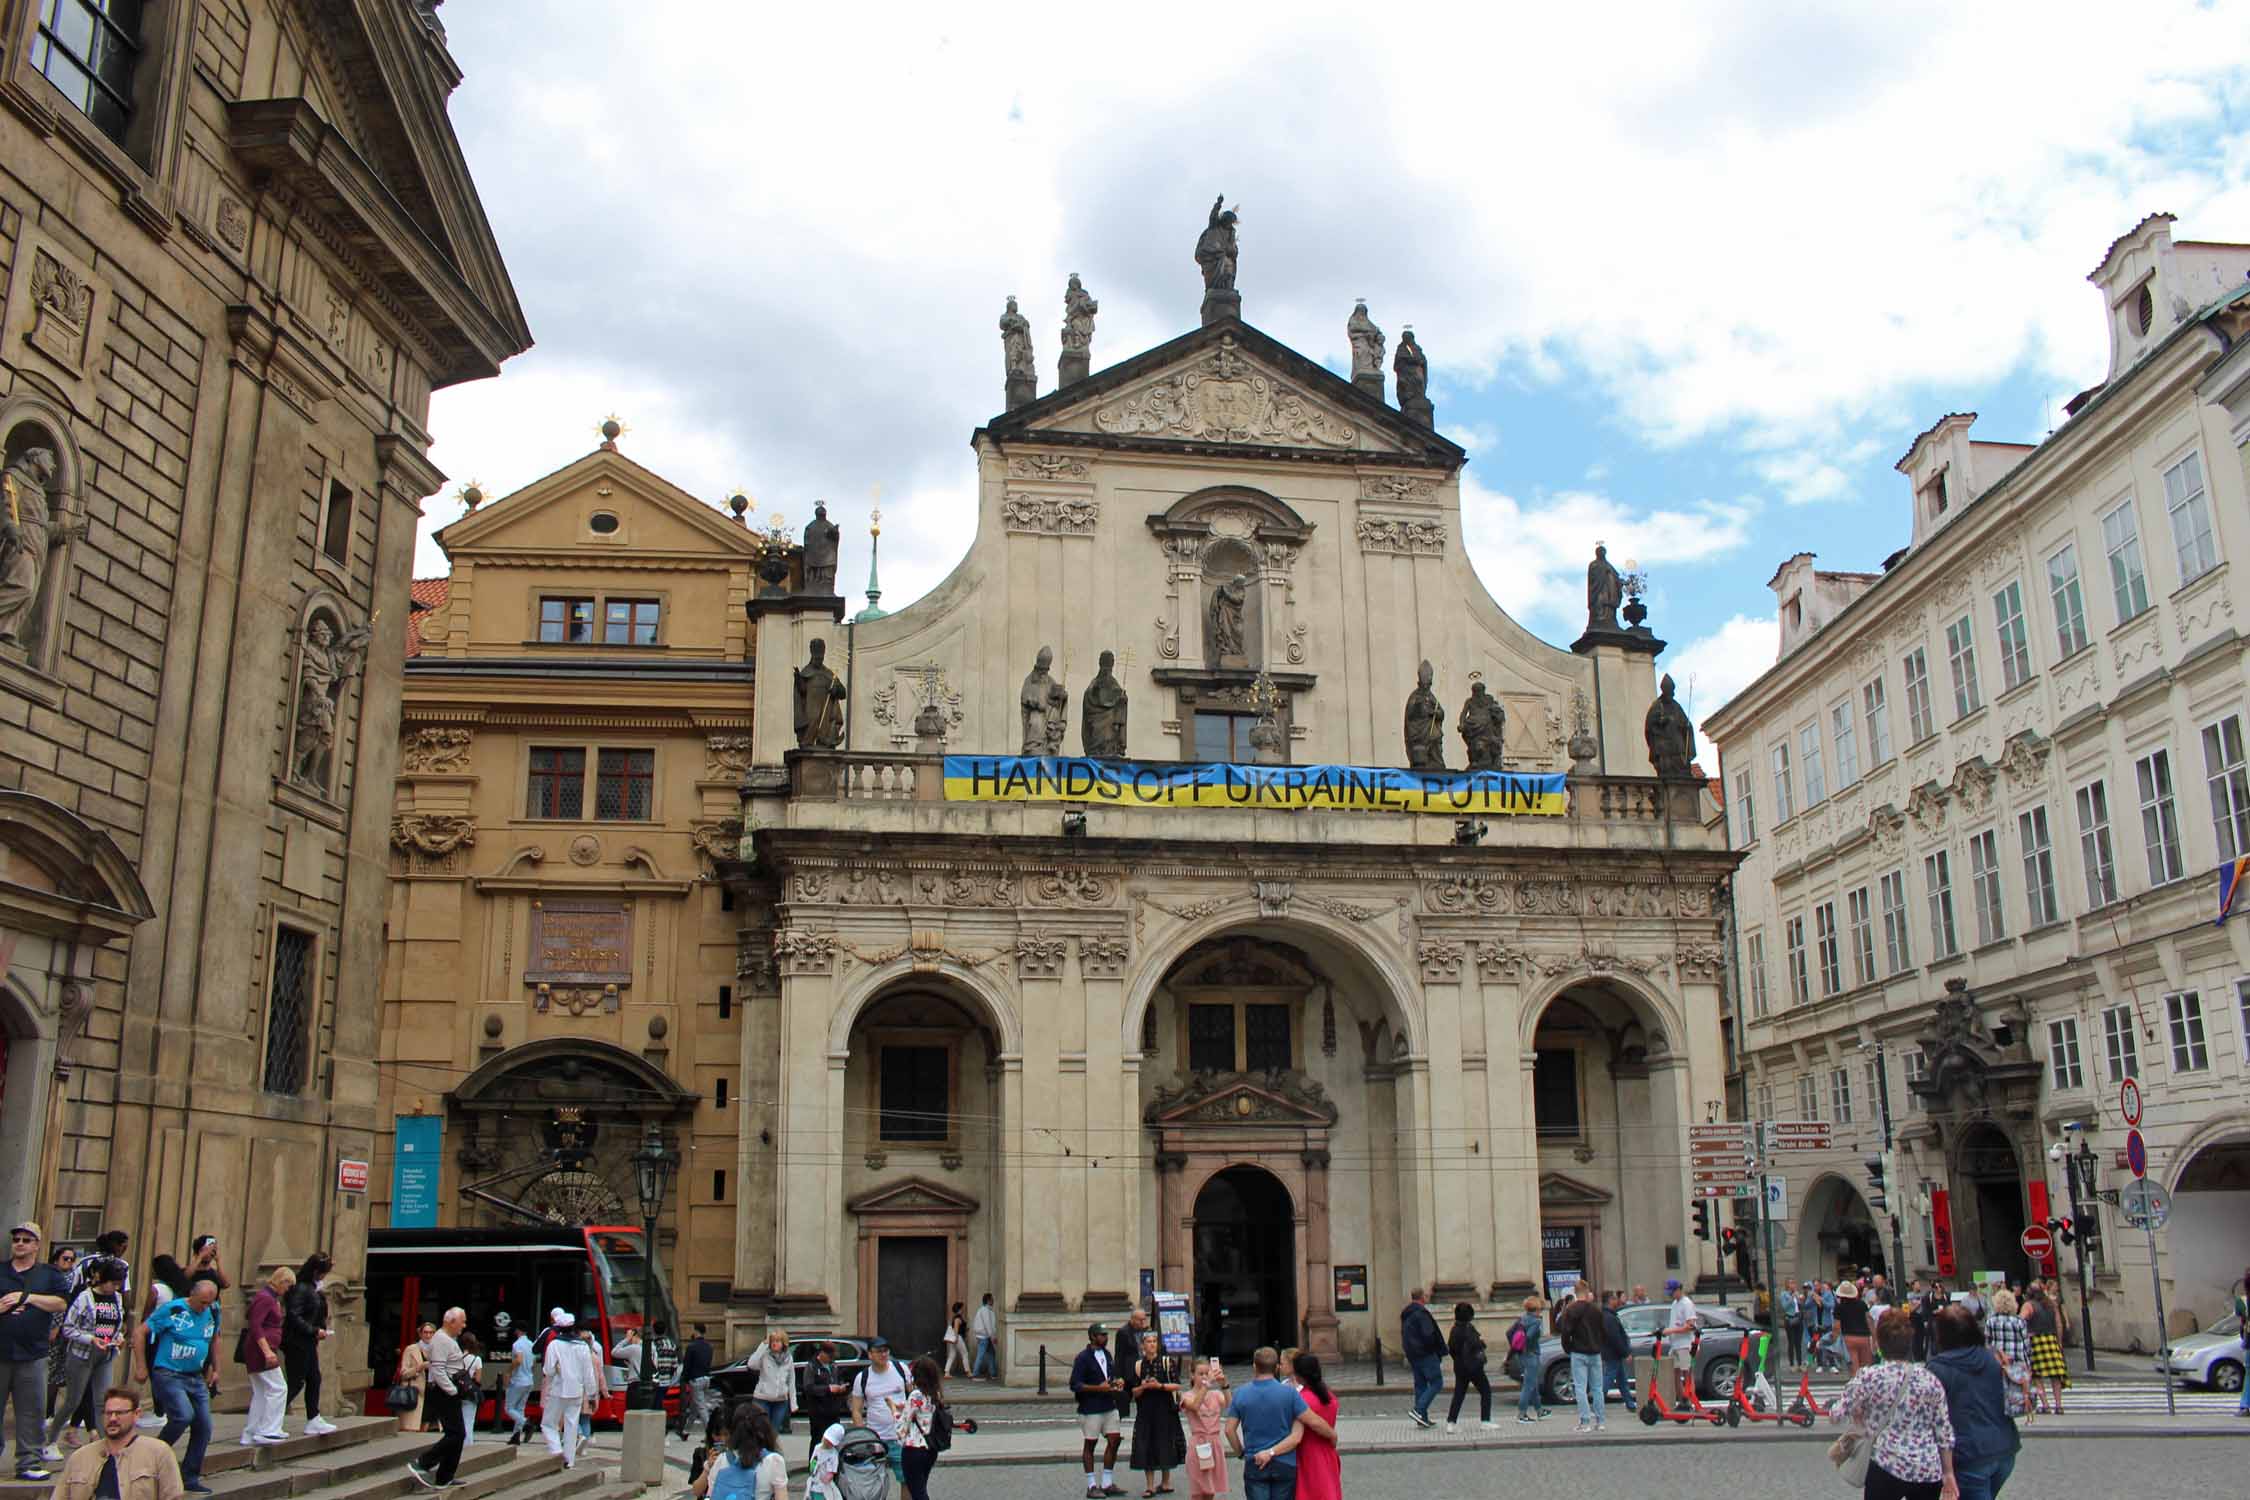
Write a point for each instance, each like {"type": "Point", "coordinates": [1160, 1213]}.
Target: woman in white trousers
{"type": "Point", "coordinates": [261, 1350]}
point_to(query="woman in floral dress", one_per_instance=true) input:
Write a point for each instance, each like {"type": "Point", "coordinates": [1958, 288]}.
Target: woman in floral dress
{"type": "Point", "coordinates": [1900, 1409]}
{"type": "Point", "coordinates": [1205, 1407]}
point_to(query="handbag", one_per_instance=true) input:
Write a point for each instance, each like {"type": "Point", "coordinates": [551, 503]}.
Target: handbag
{"type": "Point", "coordinates": [401, 1397]}
{"type": "Point", "coordinates": [1850, 1454]}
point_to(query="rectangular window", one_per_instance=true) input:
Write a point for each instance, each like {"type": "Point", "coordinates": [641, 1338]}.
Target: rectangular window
{"type": "Point", "coordinates": [1808, 1098]}
{"type": "Point", "coordinates": [719, 1094]}
{"type": "Point", "coordinates": [336, 523]}
{"type": "Point", "coordinates": [1898, 945]}
{"type": "Point", "coordinates": [1984, 885]}
{"type": "Point", "coordinates": [558, 783]}
{"type": "Point", "coordinates": [1265, 1038]}
{"type": "Point", "coordinates": [1917, 1068]}
{"type": "Point", "coordinates": [2128, 582]}
{"type": "Point", "coordinates": [1746, 808]}
{"type": "Point", "coordinates": [1831, 963]}
{"type": "Point", "coordinates": [1876, 702]}
{"type": "Point", "coordinates": [1926, 1192]}
{"type": "Point", "coordinates": [87, 48]}
{"type": "Point", "coordinates": [718, 1184]}
{"type": "Point", "coordinates": [1840, 1096]}
{"type": "Point", "coordinates": [2069, 599]}
{"type": "Point", "coordinates": [1844, 721]}
{"type": "Point", "coordinates": [2230, 786]}
{"type": "Point", "coordinates": [1765, 1101]}
{"type": "Point", "coordinates": [1210, 1038]}
{"type": "Point", "coordinates": [625, 785]}
{"type": "Point", "coordinates": [2121, 1047]}
{"type": "Point", "coordinates": [2190, 509]}
{"type": "Point", "coordinates": [2038, 866]}
{"type": "Point", "coordinates": [1224, 738]}
{"type": "Point", "coordinates": [566, 621]}
{"type": "Point", "coordinates": [2160, 821]}
{"type": "Point", "coordinates": [1554, 1093]}
{"type": "Point", "coordinates": [1961, 654]}
{"type": "Point", "coordinates": [289, 1008]}
{"type": "Point", "coordinates": [2242, 1013]}
{"type": "Point", "coordinates": [1761, 1001]}
{"type": "Point", "coordinates": [2062, 1055]}
{"type": "Point", "coordinates": [2015, 640]}
{"type": "Point", "coordinates": [1937, 870]}
{"type": "Point", "coordinates": [1239, 1037]}
{"type": "Point", "coordinates": [2093, 845]}
{"type": "Point", "coordinates": [916, 1093]}
{"type": "Point", "coordinates": [629, 622]}
{"type": "Point", "coordinates": [1921, 723]}
{"type": "Point", "coordinates": [1816, 773]}
{"type": "Point", "coordinates": [726, 1002]}
{"type": "Point", "coordinates": [1859, 911]}
{"type": "Point", "coordinates": [1800, 981]}
{"type": "Point", "coordinates": [2183, 1012]}
{"type": "Point", "coordinates": [1784, 800]}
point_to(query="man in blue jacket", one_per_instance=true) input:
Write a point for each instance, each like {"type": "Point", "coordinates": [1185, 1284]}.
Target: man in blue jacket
{"type": "Point", "coordinates": [1425, 1354]}
{"type": "Point", "coordinates": [1095, 1383]}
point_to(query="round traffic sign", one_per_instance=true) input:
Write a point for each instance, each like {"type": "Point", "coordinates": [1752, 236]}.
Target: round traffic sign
{"type": "Point", "coordinates": [2136, 1153]}
{"type": "Point", "coordinates": [2129, 1101]}
{"type": "Point", "coordinates": [2038, 1241]}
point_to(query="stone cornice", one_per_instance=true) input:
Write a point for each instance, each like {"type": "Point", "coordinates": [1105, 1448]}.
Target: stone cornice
{"type": "Point", "coordinates": [640, 560]}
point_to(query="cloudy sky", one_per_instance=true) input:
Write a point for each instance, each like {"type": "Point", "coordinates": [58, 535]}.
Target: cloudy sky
{"type": "Point", "coordinates": [1689, 277]}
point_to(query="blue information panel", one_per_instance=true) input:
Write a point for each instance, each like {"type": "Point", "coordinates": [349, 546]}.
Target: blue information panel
{"type": "Point", "coordinates": [416, 1161]}
{"type": "Point", "coordinates": [1175, 1323]}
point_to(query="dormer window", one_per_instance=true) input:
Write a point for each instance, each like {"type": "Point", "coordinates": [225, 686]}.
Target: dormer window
{"type": "Point", "coordinates": [1933, 495]}
{"type": "Point", "coordinates": [2144, 310]}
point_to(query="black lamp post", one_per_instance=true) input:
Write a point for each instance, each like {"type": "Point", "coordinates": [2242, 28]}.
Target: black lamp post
{"type": "Point", "coordinates": [653, 1164]}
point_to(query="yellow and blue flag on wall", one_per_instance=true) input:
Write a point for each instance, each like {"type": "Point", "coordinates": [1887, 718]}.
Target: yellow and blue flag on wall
{"type": "Point", "coordinates": [1058, 778]}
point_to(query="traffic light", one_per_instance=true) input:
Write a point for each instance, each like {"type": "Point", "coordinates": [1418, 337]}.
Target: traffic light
{"type": "Point", "coordinates": [2063, 1231]}
{"type": "Point", "coordinates": [1878, 1193]}
{"type": "Point", "coordinates": [1728, 1238]}
{"type": "Point", "coordinates": [1702, 1220]}
{"type": "Point", "coordinates": [2090, 1236]}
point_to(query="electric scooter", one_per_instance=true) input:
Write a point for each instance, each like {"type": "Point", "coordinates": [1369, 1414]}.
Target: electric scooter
{"type": "Point", "coordinates": [1749, 1361]}
{"type": "Point", "coordinates": [1655, 1408]}
{"type": "Point", "coordinates": [1805, 1405]}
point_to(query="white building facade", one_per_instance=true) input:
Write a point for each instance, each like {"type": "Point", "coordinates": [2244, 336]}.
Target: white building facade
{"type": "Point", "coordinates": [1983, 799]}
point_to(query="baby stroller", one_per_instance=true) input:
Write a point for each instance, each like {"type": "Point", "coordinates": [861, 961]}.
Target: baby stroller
{"type": "Point", "coordinates": [863, 1466]}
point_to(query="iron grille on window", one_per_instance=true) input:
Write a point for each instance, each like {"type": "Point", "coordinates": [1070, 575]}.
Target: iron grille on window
{"type": "Point", "coordinates": [558, 784]}
{"type": "Point", "coordinates": [1266, 1037]}
{"type": "Point", "coordinates": [1210, 1039]}
{"type": "Point", "coordinates": [917, 1093]}
{"type": "Point", "coordinates": [623, 784]}
{"type": "Point", "coordinates": [289, 1012]}
{"type": "Point", "coordinates": [87, 48]}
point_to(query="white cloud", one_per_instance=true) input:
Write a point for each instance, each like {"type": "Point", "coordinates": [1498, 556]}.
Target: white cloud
{"type": "Point", "coordinates": [1761, 223]}
{"type": "Point", "coordinates": [1711, 670]}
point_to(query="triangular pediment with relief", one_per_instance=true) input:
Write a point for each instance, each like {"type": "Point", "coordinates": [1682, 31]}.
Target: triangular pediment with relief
{"type": "Point", "coordinates": [654, 518]}
{"type": "Point", "coordinates": [915, 1195]}
{"type": "Point", "coordinates": [1276, 1098]}
{"type": "Point", "coordinates": [1556, 1190]}
{"type": "Point", "coordinates": [1231, 387]}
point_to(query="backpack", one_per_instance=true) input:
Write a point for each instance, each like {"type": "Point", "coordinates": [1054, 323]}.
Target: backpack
{"type": "Point", "coordinates": [732, 1481]}
{"type": "Point", "coordinates": [1518, 1342]}
{"type": "Point", "coordinates": [940, 1431]}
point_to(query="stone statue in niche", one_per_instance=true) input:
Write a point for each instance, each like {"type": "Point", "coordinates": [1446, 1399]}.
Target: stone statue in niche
{"type": "Point", "coordinates": [821, 535]}
{"type": "Point", "coordinates": [1425, 724]}
{"type": "Point", "coordinates": [1605, 590]}
{"type": "Point", "coordinates": [327, 662]}
{"type": "Point", "coordinates": [1413, 373]}
{"type": "Point", "coordinates": [1671, 738]}
{"type": "Point", "coordinates": [1367, 350]}
{"type": "Point", "coordinates": [1043, 702]}
{"type": "Point", "coordinates": [1016, 356]}
{"type": "Point", "coordinates": [1223, 623]}
{"type": "Point", "coordinates": [1484, 725]}
{"type": "Point", "coordinates": [819, 701]}
{"type": "Point", "coordinates": [1102, 713]}
{"type": "Point", "coordinates": [27, 533]}
{"type": "Point", "coordinates": [1079, 308]}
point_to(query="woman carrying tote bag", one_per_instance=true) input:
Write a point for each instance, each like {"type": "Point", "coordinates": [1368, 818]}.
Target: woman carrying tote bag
{"type": "Point", "coordinates": [1903, 1432]}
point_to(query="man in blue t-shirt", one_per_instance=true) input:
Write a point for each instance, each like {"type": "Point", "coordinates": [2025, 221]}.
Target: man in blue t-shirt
{"type": "Point", "coordinates": [1264, 1426]}
{"type": "Point", "coordinates": [183, 1370]}
{"type": "Point", "coordinates": [31, 1293]}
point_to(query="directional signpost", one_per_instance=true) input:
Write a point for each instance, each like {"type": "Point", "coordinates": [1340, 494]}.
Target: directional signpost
{"type": "Point", "coordinates": [1720, 1163]}
{"type": "Point", "coordinates": [1803, 1135]}
{"type": "Point", "coordinates": [2146, 1206]}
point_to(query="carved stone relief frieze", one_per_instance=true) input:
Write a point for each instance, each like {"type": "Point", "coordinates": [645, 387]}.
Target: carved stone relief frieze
{"type": "Point", "coordinates": [2198, 617]}
{"type": "Point", "coordinates": [2024, 762]}
{"type": "Point", "coordinates": [754, 962]}
{"type": "Point", "coordinates": [1223, 398]}
{"type": "Point", "coordinates": [1047, 466]}
{"type": "Point", "coordinates": [1051, 515]}
{"type": "Point", "coordinates": [432, 834]}
{"type": "Point", "coordinates": [1071, 886]}
{"type": "Point", "coordinates": [726, 757]}
{"type": "Point", "coordinates": [1039, 956]}
{"type": "Point", "coordinates": [1398, 489]}
{"type": "Point", "coordinates": [62, 310]}
{"type": "Point", "coordinates": [1402, 534]}
{"type": "Point", "coordinates": [1926, 806]}
{"type": "Point", "coordinates": [1888, 825]}
{"type": "Point", "coordinates": [1700, 960]}
{"type": "Point", "coordinates": [718, 839]}
{"type": "Point", "coordinates": [1273, 896]}
{"type": "Point", "coordinates": [1440, 960]}
{"type": "Point", "coordinates": [1102, 956]}
{"type": "Point", "coordinates": [1546, 895]}
{"type": "Point", "coordinates": [798, 950]}
{"type": "Point", "coordinates": [859, 885]}
{"type": "Point", "coordinates": [435, 752]}
{"type": "Point", "coordinates": [1973, 782]}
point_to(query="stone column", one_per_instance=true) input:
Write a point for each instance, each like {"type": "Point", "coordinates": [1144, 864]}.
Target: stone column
{"type": "Point", "coordinates": [811, 1257]}
{"type": "Point", "coordinates": [1320, 1279]}
{"type": "Point", "coordinates": [1417, 1209]}
{"type": "Point", "coordinates": [1522, 1261]}
{"type": "Point", "coordinates": [1112, 1190]}
{"type": "Point", "coordinates": [1174, 1253]}
{"type": "Point", "coordinates": [1441, 1142]}
{"type": "Point", "coordinates": [1661, 1216]}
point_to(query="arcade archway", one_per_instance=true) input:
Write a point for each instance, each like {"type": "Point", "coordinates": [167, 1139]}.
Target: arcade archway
{"type": "Point", "coordinates": [1245, 1263]}
{"type": "Point", "coordinates": [1837, 1234]}
{"type": "Point", "coordinates": [2209, 1227]}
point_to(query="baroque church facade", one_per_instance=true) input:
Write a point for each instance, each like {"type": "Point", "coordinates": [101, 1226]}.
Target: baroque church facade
{"type": "Point", "coordinates": [1015, 1023]}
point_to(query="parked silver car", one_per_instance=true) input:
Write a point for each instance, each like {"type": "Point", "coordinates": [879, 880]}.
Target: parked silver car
{"type": "Point", "coordinates": [2215, 1357]}
{"type": "Point", "coordinates": [1715, 1362]}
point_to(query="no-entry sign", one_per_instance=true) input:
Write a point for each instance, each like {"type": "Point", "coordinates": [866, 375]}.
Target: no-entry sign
{"type": "Point", "coordinates": [2038, 1242]}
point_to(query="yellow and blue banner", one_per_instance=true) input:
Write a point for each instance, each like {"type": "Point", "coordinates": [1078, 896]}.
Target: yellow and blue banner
{"type": "Point", "coordinates": [1059, 778]}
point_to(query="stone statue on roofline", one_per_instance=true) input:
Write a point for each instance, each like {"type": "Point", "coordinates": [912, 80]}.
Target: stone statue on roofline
{"type": "Point", "coordinates": [1102, 713]}
{"type": "Point", "coordinates": [1425, 723]}
{"type": "Point", "coordinates": [1367, 350]}
{"type": "Point", "coordinates": [821, 537]}
{"type": "Point", "coordinates": [1043, 702]}
{"type": "Point", "coordinates": [1671, 738]}
{"type": "Point", "coordinates": [819, 701]}
{"type": "Point", "coordinates": [1605, 590]}
{"type": "Point", "coordinates": [1215, 253]}
{"type": "Point", "coordinates": [1413, 372]}
{"type": "Point", "coordinates": [1016, 356]}
{"type": "Point", "coordinates": [1079, 308]}
{"type": "Point", "coordinates": [1484, 726]}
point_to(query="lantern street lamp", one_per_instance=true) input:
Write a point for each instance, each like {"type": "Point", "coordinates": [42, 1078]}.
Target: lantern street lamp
{"type": "Point", "coordinates": [653, 1165]}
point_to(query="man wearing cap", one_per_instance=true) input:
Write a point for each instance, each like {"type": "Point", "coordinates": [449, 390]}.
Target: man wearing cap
{"type": "Point", "coordinates": [31, 1293]}
{"type": "Point", "coordinates": [1679, 1338]}
{"type": "Point", "coordinates": [570, 1381]}
{"type": "Point", "coordinates": [879, 1399]}
{"type": "Point", "coordinates": [1096, 1384]}
{"type": "Point", "coordinates": [822, 1395]}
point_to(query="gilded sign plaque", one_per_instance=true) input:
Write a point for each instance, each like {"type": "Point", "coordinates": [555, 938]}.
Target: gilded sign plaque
{"type": "Point", "coordinates": [581, 952]}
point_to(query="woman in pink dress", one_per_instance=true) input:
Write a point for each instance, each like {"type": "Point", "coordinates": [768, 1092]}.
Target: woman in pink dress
{"type": "Point", "coordinates": [1205, 1408]}
{"type": "Point", "coordinates": [1320, 1474]}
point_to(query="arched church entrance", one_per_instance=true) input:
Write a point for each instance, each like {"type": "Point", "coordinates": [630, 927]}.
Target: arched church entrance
{"type": "Point", "coordinates": [1988, 1179]}
{"type": "Point", "coordinates": [1837, 1235]}
{"type": "Point", "coordinates": [1245, 1263]}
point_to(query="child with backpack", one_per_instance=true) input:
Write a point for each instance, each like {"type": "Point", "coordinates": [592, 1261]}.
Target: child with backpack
{"type": "Point", "coordinates": [751, 1466]}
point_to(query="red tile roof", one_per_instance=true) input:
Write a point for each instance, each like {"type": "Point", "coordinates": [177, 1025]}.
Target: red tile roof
{"type": "Point", "coordinates": [423, 595]}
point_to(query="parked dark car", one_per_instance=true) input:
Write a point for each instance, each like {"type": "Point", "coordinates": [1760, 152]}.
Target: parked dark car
{"type": "Point", "coordinates": [735, 1379]}
{"type": "Point", "coordinates": [1715, 1362]}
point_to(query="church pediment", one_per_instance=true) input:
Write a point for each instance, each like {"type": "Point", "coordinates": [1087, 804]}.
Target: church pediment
{"type": "Point", "coordinates": [915, 1195]}
{"type": "Point", "coordinates": [655, 518]}
{"type": "Point", "coordinates": [1559, 1191]}
{"type": "Point", "coordinates": [1277, 1098]}
{"type": "Point", "coordinates": [1226, 386]}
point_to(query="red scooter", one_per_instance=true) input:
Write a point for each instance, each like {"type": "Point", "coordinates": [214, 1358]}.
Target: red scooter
{"type": "Point", "coordinates": [1748, 1361]}
{"type": "Point", "coordinates": [1655, 1408]}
